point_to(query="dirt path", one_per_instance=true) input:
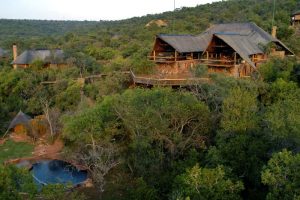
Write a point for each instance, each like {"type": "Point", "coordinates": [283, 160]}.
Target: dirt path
{"type": "Point", "coordinates": [20, 138]}
{"type": "Point", "coordinates": [2, 141]}
{"type": "Point", "coordinates": [42, 149]}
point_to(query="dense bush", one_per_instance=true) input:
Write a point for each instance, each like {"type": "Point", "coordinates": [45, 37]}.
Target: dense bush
{"type": "Point", "coordinates": [215, 140]}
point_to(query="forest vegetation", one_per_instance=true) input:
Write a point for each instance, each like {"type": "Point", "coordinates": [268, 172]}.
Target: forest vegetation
{"type": "Point", "coordinates": [225, 139]}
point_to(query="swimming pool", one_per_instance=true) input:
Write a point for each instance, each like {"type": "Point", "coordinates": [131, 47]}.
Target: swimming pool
{"type": "Point", "coordinates": [57, 172]}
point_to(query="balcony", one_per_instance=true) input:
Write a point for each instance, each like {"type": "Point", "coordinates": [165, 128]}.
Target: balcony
{"type": "Point", "coordinates": [171, 57]}
{"type": "Point", "coordinates": [218, 62]}
{"type": "Point", "coordinates": [209, 59]}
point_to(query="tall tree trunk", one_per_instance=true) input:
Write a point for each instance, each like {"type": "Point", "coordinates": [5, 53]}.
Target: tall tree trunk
{"type": "Point", "coordinates": [47, 115]}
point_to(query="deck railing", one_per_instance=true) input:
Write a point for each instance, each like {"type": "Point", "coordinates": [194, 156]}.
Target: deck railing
{"type": "Point", "coordinates": [168, 57]}
{"type": "Point", "coordinates": [141, 79]}
{"type": "Point", "coordinates": [172, 57]}
{"type": "Point", "coordinates": [218, 62]}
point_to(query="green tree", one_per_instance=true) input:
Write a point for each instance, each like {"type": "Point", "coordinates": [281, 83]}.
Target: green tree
{"type": "Point", "coordinates": [277, 68]}
{"type": "Point", "coordinates": [200, 71]}
{"type": "Point", "coordinates": [282, 117]}
{"type": "Point", "coordinates": [239, 111]}
{"type": "Point", "coordinates": [70, 98]}
{"type": "Point", "coordinates": [37, 65]}
{"type": "Point", "coordinates": [150, 128]}
{"type": "Point", "coordinates": [160, 127]}
{"type": "Point", "coordinates": [281, 175]}
{"type": "Point", "coordinates": [140, 190]}
{"type": "Point", "coordinates": [245, 155]}
{"type": "Point", "coordinates": [177, 120]}
{"type": "Point", "coordinates": [281, 90]}
{"type": "Point", "coordinates": [58, 191]}
{"type": "Point", "coordinates": [14, 181]}
{"type": "Point", "coordinates": [204, 183]}
{"type": "Point", "coordinates": [90, 124]}
{"type": "Point", "coordinates": [106, 53]}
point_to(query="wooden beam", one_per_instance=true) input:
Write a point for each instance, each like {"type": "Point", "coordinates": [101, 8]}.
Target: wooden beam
{"type": "Point", "coordinates": [234, 58]}
{"type": "Point", "coordinates": [217, 60]}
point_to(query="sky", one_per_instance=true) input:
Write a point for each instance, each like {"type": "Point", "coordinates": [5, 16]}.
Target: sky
{"type": "Point", "coordinates": [88, 9]}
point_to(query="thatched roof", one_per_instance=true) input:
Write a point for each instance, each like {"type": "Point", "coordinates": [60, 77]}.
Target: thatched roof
{"type": "Point", "coordinates": [20, 118]}
{"type": "Point", "coordinates": [183, 43]}
{"type": "Point", "coordinates": [296, 13]}
{"type": "Point", "coordinates": [250, 36]}
{"type": "Point", "coordinates": [242, 46]}
{"type": "Point", "coordinates": [47, 56]}
{"type": "Point", "coordinates": [159, 23]}
{"type": "Point", "coordinates": [245, 38]}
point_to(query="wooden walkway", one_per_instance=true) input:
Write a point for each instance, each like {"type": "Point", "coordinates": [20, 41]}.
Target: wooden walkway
{"type": "Point", "coordinates": [143, 79]}
{"type": "Point", "coordinates": [84, 79]}
{"type": "Point", "coordinates": [152, 81]}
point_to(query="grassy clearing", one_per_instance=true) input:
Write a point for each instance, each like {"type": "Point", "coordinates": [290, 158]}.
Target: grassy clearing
{"type": "Point", "coordinates": [12, 150]}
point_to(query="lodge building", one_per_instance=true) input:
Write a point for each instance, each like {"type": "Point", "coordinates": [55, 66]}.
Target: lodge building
{"type": "Point", "coordinates": [295, 18]}
{"type": "Point", "coordinates": [51, 58]}
{"type": "Point", "coordinates": [235, 49]}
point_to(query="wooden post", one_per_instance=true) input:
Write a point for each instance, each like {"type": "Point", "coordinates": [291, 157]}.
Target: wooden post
{"type": "Point", "coordinates": [192, 55]}
{"type": "Point", "coordinates": [274, 31]}
{"type": "Point", "coordinates": [175, 56]}
{"type": "Point", "coordinates": [15, 54]}
{"type": "Point", "coordinates": [234, 58]}
{"type": "Point", "coordinates": [207, 56]}
{"type": "Point", "coordinates": [154, 55]}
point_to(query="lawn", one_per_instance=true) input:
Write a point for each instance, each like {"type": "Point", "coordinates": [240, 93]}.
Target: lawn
{"type": "Point", "coordinates": [12, 150]}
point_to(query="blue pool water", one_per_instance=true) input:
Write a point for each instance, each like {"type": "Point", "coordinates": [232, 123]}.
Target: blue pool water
{"type": "Point", "coordinates": [57, 171]}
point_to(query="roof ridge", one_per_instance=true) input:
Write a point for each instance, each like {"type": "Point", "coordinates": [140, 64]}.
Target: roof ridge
{"type": "Point", "coordinates": [233, 23]}
{"type": "Point", "coordinates": [176, 35]}
{"type": "Point", "coordinates": [229, 33]}
{"type": "Point", "coordinates": [295, 12]}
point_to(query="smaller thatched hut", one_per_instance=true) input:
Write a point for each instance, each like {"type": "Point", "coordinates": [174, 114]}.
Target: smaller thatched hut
{"type": "Point", "coordinates": [50, 58]}
{"type": "Point", "coordinates": [21, 123]}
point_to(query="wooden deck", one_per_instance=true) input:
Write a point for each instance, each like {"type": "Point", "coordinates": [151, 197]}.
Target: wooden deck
{"type": "Point", "coordinates": [218, 63]}
{"type": "Point", "coordinates": [213, 62]}
{"type": "Point", "coordinates": [154, 80]}
{"type": "Point", "coordinates": [171, 59]}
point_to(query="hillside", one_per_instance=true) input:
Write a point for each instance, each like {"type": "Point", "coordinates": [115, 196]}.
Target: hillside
{"type": "Point", "coordinates": [224, 138]}
{"type": "Point", "coordinates": [39, 28]}
{"type": "Point", "coordinates": [184, 20]}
